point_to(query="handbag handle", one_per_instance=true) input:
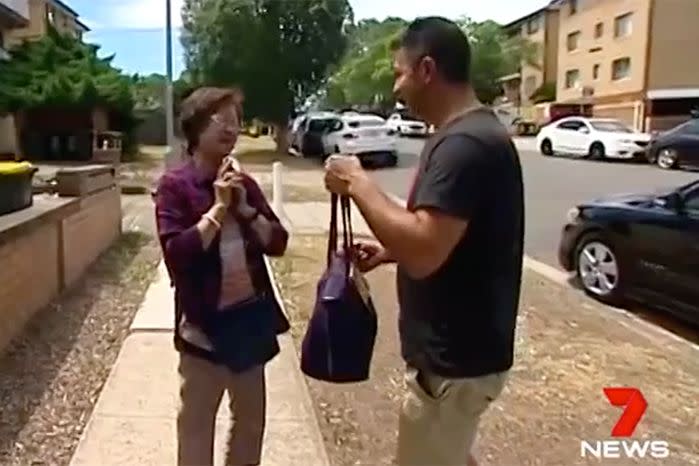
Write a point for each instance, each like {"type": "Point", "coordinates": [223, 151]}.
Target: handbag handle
{"type": "Point", "coordinates": [347, 235]}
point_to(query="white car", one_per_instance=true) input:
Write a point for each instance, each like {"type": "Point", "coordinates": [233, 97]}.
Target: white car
{"type": "Point", "coordinates": [597, 138]}
{"type": "Point", "coordinates": [366, 136]}
{"type": "Point", "coordinates": [406, 126]}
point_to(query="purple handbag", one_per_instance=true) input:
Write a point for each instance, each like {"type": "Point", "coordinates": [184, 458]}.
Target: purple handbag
{"type": "Point", "coordinates": [339, 340]}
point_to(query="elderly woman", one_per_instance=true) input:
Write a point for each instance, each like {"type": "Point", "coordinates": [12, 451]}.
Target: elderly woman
{"type": "Point", "coordinates": [215, 226]}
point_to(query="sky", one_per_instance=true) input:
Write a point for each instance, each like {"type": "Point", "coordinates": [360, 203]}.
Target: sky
{"type": "Point", "coordinates": [134, 30]}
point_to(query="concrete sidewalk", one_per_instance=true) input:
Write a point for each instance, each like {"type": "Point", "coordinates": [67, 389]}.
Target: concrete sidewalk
{"type": "Point", "coordinates": [133, 422]}
{"type": "Point", "coordinates": [314, 217]}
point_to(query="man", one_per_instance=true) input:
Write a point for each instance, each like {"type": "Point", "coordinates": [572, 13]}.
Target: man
{"type": "Point", "coordinates": [458, 246]}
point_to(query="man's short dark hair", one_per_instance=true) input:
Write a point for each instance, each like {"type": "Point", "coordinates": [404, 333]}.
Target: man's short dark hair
{"type": "Point", "coordinates": [443, 41]}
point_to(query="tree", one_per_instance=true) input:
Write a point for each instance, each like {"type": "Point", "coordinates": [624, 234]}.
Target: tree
{"type": "Point", "coordinates": [277, 51]}
{"type": "Point", "coordinates": [544, 93]}
{"type": "Point", "coordinates": [494, 55]}
{"type": "Point", "coordinates": [60, 71]}
{"type": "Point", "coordinates": [365, 75]}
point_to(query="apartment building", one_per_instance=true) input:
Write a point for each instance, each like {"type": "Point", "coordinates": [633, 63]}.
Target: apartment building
{"type": "Point", "coordinates": [27, 20]}
{"type": "Point", "coordinates": [631, 59]}
{"type": "Point", "coordinates": [14, 14]}
{"type": "Point", "coordinates": [540, 29]}
{"type": "Point", "coordinates": [44, 12]}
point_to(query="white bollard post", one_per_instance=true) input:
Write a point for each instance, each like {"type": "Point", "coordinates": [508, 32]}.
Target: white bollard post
{"type": "Point", "coordinates": [277, 188]}
{"type": "Point", "coordinates": [278, 195]}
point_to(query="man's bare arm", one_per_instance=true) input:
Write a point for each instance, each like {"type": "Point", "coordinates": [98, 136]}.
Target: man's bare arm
{"type": "Point", "coordinates": [419, 241]}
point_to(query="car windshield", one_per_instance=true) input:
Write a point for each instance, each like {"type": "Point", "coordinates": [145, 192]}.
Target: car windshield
{"type": "Point", "coordinates": [691, 126]}
{"type": "Point", "coordinates": [611, 126]}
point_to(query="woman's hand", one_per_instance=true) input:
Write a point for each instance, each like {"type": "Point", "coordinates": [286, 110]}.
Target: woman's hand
{"type": "Point", "coordinates": [224, 183]}
{"type": "Point", "coordinates": [241, 206]}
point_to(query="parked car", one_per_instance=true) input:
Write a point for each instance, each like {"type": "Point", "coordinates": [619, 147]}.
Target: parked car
{"type": "Point", "coordinates": [406, 125]}
{"type": "Point", "coordinates": [642, 247]}
{"type": "Point", "coordinates": [597, 138]}
{"type": "Point", "coordinates": [676, 148]}
{"type": "Point", "coordinates": [307, 139]}
{"type": "Point", "coordinates": [366, 136]}
{"type": "Point", "coordinates": [295, 126]}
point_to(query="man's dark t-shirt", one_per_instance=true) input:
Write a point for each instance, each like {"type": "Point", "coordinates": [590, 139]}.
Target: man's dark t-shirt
{"type": "Point", "coordinates": [460, 321]}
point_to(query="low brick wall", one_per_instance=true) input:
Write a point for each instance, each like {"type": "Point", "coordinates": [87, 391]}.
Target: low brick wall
{"type": "Point", "coordinates": [46, 248]}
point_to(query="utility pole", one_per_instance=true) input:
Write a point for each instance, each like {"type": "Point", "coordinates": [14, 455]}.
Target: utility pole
{"type": "Point", "coordinates": [172, 152]}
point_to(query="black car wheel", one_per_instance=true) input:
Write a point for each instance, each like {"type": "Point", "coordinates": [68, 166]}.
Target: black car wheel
{"type": "Point", "coordinates": [597, 151]}
{"type": "Point", "coordinates": [599, 269]}
{"type": "Point", "coordinates": [667, 158]}
{"type": "Point", "coordinates": [546, 147]}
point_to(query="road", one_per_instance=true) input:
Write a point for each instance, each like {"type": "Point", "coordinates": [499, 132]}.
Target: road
{"type": "Point", "coordinates": [552, 186]}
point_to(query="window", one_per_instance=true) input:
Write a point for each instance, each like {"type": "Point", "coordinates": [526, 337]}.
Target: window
{"type": "Point", "coordinates": [621, 68]}
{"type": "Point", "coordinates": [573, 41]}
{"type": "Point", "coordinates": [572, 78]}
{"type": "Point", "coordinates": [571, 125]}
{"type": "Point", "coordinates": [595, 72]}
{"type": "Point", "coordinates": [319, 125]}
{"type": "Point", "coordinates": [599, 30]}
{"type": "Point", "coordinates": [365, 123]}
{"type": "Point", "coordinates": [622, 25]}
{"type": "Point", "coordinates": [610, 126]}
{"type": "Point", "coordinates": [50, 15]}
{"type": "Point", "coordinates": [573, 7]}
{"type": "Point", "coordinates": [533, 25]}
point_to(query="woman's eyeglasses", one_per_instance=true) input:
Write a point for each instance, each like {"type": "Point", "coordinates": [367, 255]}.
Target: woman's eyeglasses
{"type": "Point", "coordinates": [225, 123]}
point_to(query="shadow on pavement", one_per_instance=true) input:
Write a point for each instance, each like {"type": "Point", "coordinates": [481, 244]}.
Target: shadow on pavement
{"type": "Point", "coordinates": [653, 315]}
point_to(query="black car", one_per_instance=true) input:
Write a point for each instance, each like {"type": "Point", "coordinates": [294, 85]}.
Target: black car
{"type": "Point", "coordinates": [676, 148]}
{"type": "Point", "coordinates": [644, 247]}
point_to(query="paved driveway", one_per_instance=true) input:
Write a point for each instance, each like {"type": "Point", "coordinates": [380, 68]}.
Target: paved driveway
{"type": "Point", "coordinates": [552, 186]}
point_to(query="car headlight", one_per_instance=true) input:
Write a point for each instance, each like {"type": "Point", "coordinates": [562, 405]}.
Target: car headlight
{"type": "Point", "coordinates": [626, 141]}
{"type": "Point", "coordinates": [573, 215]}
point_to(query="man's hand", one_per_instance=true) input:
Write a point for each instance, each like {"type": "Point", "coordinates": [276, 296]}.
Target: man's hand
{"type": "Point", "coordinates": [340, 171]}
{"type": "Point", "coordinates": [369, 255]}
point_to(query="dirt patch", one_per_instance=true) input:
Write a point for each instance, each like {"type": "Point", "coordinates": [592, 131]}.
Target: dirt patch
{"type": "Point", "coordinates": [141, 173]}
{"type": "Point", "coordinates": [568, 349]}
{"type": "Point", "coordinates": [51, 376]}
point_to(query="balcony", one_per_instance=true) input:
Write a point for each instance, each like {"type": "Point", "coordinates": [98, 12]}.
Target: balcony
{"type": "Point", "coordinates": [14, 13]}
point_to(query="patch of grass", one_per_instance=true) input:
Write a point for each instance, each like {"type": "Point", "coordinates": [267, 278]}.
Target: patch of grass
{"type": "Point", "coordinates": [52, 373]}
{"type": "Point", "coordinates": [297, 274]}
{"type": "Point", "coordinates": [153, 152]}
{"type": "Point", "coordinates": [298, 193]}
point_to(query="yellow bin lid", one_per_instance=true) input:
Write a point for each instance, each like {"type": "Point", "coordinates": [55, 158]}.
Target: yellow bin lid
{"type": "Point", "coordinates": [15, 168]}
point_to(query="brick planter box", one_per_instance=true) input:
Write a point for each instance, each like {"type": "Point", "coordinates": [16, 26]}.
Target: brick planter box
{"type": "Point", "coordinates": [46, 248]}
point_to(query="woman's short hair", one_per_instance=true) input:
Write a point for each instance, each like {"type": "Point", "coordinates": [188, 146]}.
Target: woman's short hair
{"type": "Point", "coordinates": [199, 106]}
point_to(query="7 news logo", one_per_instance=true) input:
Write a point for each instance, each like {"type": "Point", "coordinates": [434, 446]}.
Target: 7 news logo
{"type": "Point", "coordinates": [634, 405]}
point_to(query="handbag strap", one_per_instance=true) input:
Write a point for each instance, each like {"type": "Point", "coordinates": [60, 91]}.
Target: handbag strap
{"type": "Point", "coordinates": [332, 234]}
{"type": "Point", "coordinates": [347, 221]}
{"type": "Point", "coordinates": [347, 234]}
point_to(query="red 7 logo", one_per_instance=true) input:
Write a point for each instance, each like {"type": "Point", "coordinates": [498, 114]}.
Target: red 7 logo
{"type": "Point", "coordinates": [631, 399]}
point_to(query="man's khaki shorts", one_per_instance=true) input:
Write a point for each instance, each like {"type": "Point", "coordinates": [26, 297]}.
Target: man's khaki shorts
{"type": "Point", "coordinates": [439, 418]}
